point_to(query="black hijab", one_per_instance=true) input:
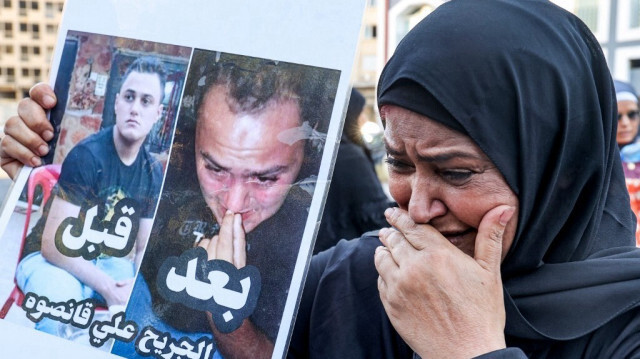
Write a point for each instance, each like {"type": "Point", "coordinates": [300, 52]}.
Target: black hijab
{"type": "Point", "coordinates": [528, 82]}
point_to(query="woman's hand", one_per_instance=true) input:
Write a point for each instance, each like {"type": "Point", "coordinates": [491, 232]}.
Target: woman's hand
{"type": "Point", "coordinates": [443, 302]}
{"type": "Point", "coordinates": [26, 134]}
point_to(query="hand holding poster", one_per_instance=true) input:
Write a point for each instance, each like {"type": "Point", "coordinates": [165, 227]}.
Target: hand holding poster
{"type": "Point", "coordinates": [167, 141]}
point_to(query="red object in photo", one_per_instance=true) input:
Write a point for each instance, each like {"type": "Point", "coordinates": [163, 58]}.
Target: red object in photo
{"type": "Point", "coordinates": [633, 186]}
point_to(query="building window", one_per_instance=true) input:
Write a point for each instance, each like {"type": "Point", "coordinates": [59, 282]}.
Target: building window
{"type": "Point", "coordinates": [372, 2]}
{"type": "Point", "coordinates": [49, 53]}
{"type": "Point", "coordinates": [634, 20]}
{"type": "Point", "coordinates": [587, 10]}
{"type": "Point", "coordinates": [51, 29]}
{"type": "Point", "coordinates": [6, 3]}
{"type": "Point", "coordinates": [48, 10]}
{"type": "Point", "coordinates": [634, 72]}
{"type": "Point", "coordinates": [23, 27]}
{"type": "Point", "coordinates": [370, 31]}
{"type": "Point", "coordinates": [24, 53]}
{"type": "Point", "coordinates": [8, 30]}
{"type": "Point", "coordinates": [9, 49]}
{"type": "Point", "coordinates": [23, 7]}
{"type": "Point", "coordinates": [36, 50]}
{"type": "Point", "coordinates": [10, 95]}
{"type": "Point", "coordinates": [35, 28]}
{"type": "Point", "coordinates": [25, 72]}
{"type": "Point", "coordinates": [34, 5]}
{"type": "Point", "coordinates": [11, 74]}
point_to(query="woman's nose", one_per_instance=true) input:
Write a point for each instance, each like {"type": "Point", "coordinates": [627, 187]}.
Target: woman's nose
{"type": "Point", "coordinates": [425, 203]}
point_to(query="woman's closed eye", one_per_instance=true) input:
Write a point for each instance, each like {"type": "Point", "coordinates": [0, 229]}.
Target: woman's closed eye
{"type": "Point", "coordinates": [397, 166]}
{"type": "Point", "coordinates": [456, 176]}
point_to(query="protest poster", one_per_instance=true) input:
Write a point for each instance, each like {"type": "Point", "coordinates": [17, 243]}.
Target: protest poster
{"type": "Point", "coordinates": [177, 207]}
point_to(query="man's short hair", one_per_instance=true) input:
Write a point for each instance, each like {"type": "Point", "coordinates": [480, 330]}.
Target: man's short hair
{"type": "Point", "coordinates": [148, 65]}
{"type": "Point", "coordinates": [253, 84]}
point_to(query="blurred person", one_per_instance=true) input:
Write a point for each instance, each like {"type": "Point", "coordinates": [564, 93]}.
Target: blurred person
{"type": "Point", "coordinates": [628, 120]}
{"type": "Point", "coordinates": [355, 202]}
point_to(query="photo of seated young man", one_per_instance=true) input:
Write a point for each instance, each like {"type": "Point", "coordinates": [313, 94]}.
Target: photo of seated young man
{"type": "Point", "coordinates": [239, 184]}
{"type": "Point", "coordinates": [101, 170]}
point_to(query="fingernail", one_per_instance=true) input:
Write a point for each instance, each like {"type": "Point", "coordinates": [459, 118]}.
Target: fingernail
{"type": "Point", "coordinates": [383, 231]}
{"type": "Point", "coordinates": [389, 211]}
{"type": "Point", "coordinates": [228, 212]}
{"type": "Point", "coordinates": [506, 215]}
{"type": "Point", "coordinates": [47, 135]}
{"type": "Point", "coordinates": [43, 150]}
{"type": "Point", "coordinates": [49, 101]}
{"type": "Point", "coordinates": [36, 161]}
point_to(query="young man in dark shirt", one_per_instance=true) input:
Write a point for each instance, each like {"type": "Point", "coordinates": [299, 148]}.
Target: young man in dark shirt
{"type": "Point", "coordinates": [99, 172]}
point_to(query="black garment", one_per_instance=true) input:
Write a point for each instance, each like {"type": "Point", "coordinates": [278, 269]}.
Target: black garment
{"type": "Point", "coordinates": [355, 203]}
{"type": "Point", "coordinates": [341, 316]}
{"type": "Point", "coordinates": [528, 83]}
{"type": "Point", "coordinates": [272, 247]}
{"type": "Point", "coordinates": [93, 174]}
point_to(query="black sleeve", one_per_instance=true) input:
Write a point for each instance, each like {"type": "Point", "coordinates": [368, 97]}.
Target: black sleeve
{"type": "Point", "coordinates": [508, 353]}
{"type": "Point", "coordinates": [299, 344]}
{"type": "Point", "coordinates": [341, 315]}
{"type": "Point", "coordinates": [359, 183]}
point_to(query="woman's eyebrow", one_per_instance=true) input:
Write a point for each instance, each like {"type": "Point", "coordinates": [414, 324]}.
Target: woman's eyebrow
{"type": "Point", "coordinates": [391, 151]}
{"type": "Point", "coordinates": [447, 156]}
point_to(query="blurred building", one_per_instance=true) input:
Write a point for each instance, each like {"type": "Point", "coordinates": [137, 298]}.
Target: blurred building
{"type": "Point", "coordinates": [615, 23]}
{"type": "Point", "coordinates": [366, 64]}
{"type": "Point", "coordinates": [28, 32]}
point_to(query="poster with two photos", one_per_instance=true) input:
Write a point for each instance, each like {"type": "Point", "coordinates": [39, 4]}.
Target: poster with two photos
{"type": "Point", "coordinates": [175, 213]}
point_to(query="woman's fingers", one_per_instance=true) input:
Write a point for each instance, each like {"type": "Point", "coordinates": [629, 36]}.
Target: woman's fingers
{"type": "Point", "coordinates": [13, 155]}
{"type": "Point", "coordinates": [24, 144]}
{"type": "Point", "coordinates": [43, 94]}
{"type": "Point", "coordinates": [488, 247]}
{"type": "Point", "coordinates": [35, 117]}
